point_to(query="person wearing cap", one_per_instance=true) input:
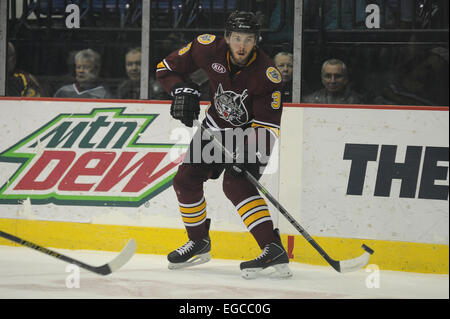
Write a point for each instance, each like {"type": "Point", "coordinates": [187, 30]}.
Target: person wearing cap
{"type": "Point", "coordinates": [245, 93]}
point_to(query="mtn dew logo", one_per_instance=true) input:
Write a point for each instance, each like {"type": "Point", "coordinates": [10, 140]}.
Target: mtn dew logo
{"type": "Point", "coordinates": [92, 159]}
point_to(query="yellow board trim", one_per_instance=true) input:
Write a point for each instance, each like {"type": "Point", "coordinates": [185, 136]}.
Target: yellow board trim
{"type": "Point", "coordinates": [389, 255]}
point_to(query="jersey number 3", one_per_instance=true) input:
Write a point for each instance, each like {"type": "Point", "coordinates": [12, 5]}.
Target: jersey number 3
{"type": "Point", "coordinates": [276, 100]}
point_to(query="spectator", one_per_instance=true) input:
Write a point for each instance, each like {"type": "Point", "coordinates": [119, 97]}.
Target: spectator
{"type": "Point", "coordinates": [87, 82]}
{"type": "Point", "coordinates": [423, 81]}
{"type": "Point", "coordinates": [131, 87]}
{"type": "Point", "coordinates": [336, 88]}
{"type": "Point", "coordinates": [284, 61]}
{"type": "Point", "coordinates": [20, 83]}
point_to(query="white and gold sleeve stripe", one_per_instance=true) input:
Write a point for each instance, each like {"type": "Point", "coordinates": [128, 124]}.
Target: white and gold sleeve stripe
{"type": "Point", "coordinates": [163, 66]}
{"type": "Point", "coordinates": [274, 129]}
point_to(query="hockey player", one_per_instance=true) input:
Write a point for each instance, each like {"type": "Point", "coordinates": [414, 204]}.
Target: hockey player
{"type": "Point", "coordinates": [245, 93]}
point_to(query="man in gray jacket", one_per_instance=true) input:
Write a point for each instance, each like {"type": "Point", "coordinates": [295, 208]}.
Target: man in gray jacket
{"type": "Point", "coordinates": [336, 89]}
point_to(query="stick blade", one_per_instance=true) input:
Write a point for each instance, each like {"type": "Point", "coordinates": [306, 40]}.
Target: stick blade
{"type": "Point", "coordinates": [122, 258]}
{"type": "Point", "coordinates": [356, 263]}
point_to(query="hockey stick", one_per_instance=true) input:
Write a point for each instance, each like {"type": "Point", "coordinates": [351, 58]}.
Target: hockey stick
{"type": "Point", "coordinates": [120, 260]}
{"type": "Point", "coordinates": [339, 265]}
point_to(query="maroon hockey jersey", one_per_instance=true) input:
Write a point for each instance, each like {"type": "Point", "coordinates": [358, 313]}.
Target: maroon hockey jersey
{"type": "Point", "coordinates": [251, 97]}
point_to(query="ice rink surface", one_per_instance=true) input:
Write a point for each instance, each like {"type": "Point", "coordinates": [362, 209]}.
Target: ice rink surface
{"type": "Point", "coordinates": [26, 274]}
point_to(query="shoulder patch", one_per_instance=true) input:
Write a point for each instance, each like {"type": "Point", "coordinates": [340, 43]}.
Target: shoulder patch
{"type": "Point", "coordinates": [185, 49]}
{"type": "Point", "coordinates": [206, 38]}
{"type": "Point", "coordinates": [273, 74]}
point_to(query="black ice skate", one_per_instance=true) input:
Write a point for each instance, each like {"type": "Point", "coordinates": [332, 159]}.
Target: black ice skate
{"type": "Point", "coordinates": [194, 252]}
{"type": "Point", "coordinates": [273, 255]}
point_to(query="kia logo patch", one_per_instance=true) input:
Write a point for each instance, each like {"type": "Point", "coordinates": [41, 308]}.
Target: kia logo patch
{"type": "Point", "coordinates": [219, 68]}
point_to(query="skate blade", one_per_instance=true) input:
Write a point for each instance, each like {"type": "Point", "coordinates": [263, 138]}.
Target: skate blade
{"type": "Point", "coordinates": [282, 271]}
{"type": "Point", "coordinates": [196, 260]}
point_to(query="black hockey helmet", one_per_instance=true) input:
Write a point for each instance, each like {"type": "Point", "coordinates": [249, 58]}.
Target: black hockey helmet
{"type": "Point", "coordinates": [242, 21]}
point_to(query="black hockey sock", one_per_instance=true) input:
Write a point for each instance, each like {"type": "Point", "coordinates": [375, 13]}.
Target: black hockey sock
{"type": "Point", "coordinates": [264, 234]}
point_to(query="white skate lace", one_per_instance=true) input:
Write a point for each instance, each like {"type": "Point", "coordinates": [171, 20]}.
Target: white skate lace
{"type": "Point", "coordinates": [185, 248]}
{"type": "Point", "coordinates": [263, 253]}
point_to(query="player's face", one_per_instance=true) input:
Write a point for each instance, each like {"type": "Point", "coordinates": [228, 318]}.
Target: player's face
{"type": "Point", "coordinates": [133, 66]}
{"type": "Point", "coordinates": [334, 78]}
{"type": "Point", "coordinates": [241, 46]}
{"type": "Point", "coordinates": [285, 64]}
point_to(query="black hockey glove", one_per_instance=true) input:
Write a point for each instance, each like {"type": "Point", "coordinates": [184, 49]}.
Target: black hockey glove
{"type": "Point", "coordinates": [186, 103]}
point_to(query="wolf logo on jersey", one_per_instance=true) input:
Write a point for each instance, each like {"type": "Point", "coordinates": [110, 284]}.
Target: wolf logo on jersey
{"type": "Point", "coordinates": [230, 106]}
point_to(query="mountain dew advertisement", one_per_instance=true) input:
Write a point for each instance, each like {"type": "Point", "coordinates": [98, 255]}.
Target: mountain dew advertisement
{"type": "Point", "coordinates": [97, 158]}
